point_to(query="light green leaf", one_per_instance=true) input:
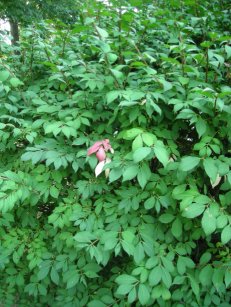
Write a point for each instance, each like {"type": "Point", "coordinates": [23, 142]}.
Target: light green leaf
{"type": "Point", "coordinates": [155, 276]}
{"type": "Point", "coordinates": [130, 172]}
{"type": "Point", "coordinates": [211, 168]}
{"type": "Point", "coordinates": [166, 277]}
{"type": "Point", "coordinates": [132, 295]}
{"type": "Point", "coordinates": [228, 51]}
{"type": "Point", "coordinates": [141, 153]}
{"type": "Point", "coordinates": [189, 163]}
{"type": "Point", "coordinates": [54, 192]}
{"type": "Point", "coordinates": [161, 152]}
{"type": "Point", "coordinates": [112, 57]}
{"type": "Point", "coordinates": [15, 82]}
{"type": "Point", "coordinates": [118, 74]}
{"type": "Point", "coordinates": [143, 175]}
{"type": "Point", "coordinates": [115, 174]}
{"type": "Point", "coordinates": [137, 143]}
{"type": "Point", "coordinates": [125, 279]}
{"type": "Point", "coordinates": [193, 210]}
{"type": "Point", "coordinates": [143, 294]}
{"type": "Point", "coordinates": [208, 222]}
{"type": "Point", "coordinates": [205, 275]}
{"type": "Point", "coordinates": [139, 253]}
{"type": "Point", "coordinates": [4, 75]}
{"type": "Point", "coordinates": [44, 269]}
{"type": "Point", "coordinates": [205, 258]}
{"type": "Point", "coordinates": [177, 228]}
{"type": "Point", "coordinates": [148, 138]}
{"type": "Point", "coordinates": [222, 221]}
{"type": "Point", "coordinates": [201, 126]}
{"type": "Point", "coordinates": [166, 218]}
{"type": "Point", "coordinates": [102, 33]}
{"type": "Point", "coordinates": [111, 96]}
{"type": "Point", "coordinates": [227, 277]}
{"type": "Point", "coordinates": [124, 289]}
{"type": "Point", "coordinates": [226, 234]}
{"type": "Point", "coordinates": [132, 133]}
{"type": "Point", "coordinates": [149, 203]}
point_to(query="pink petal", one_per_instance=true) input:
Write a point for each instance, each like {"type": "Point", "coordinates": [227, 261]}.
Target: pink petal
{"type": "Point", "coordinates": [94, 148]}
{"type": "Point", "coordinates": [106, 144]}
{"type": "Point", "coordinates": [100, 155]}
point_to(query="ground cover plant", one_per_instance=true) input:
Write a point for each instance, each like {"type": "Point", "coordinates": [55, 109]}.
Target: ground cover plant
{"type": "Point", "coordinates": [115, 176]}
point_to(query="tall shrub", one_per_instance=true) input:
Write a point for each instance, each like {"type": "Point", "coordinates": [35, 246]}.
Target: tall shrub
{"type": "Point", "coordinates": [151, 82]}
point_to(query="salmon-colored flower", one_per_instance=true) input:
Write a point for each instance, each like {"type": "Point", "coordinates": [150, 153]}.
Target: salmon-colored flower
{"type": "Point", "coordinates": [100, 148]}
{"type": "Point", "coordinates": [101, 155]}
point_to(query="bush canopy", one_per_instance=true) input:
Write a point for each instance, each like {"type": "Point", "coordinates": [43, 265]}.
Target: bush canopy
{"type": "Point", "coordinates": [115, 157]}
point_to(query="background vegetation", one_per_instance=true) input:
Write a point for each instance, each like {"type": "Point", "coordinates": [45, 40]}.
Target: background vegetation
{"type": "Point", "coordinates": [153, 77]}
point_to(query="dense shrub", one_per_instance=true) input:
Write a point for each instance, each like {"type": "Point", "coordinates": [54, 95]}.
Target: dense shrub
{"type": "Point", "coordinates": [154, 81]}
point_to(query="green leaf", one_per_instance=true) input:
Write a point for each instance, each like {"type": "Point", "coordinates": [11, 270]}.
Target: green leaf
{"type": "Point", "coordinates": [118, 75]}
{"type": "Point", "coordinates": [102, 33]}
{"type": "Point", "coordinates": [130, 172]}
{"type": "Point", "coordinates": [201, 126]}
{"type": "Point", "coordinates": [54, 276]}
{"type": "Point", "coordinates": [205, 258]}
{"type": "Point", "coordinates": [193, 210]}
{"type": "Point", "coordinates": [96, 303]}
{"type": "Point", "coordinates": [124, 289]}
{"type": "Point", "coordinates": [211, 168]}
{"type": "Point", "coordinates": [137, 143]}
{"type": "Point", "coordinates": [226, 234]}
{"type": "Point", "coordinates": [44, 269]}
{"type": "Point", "coordinates": [115, 174]}
{"type": "Point", "coordinates": [42, 289]}
{"type": "Point", "coordinates": [132, 296]}
{"type": "Point", "coordinates": [72, 280]}
{"type": "Point", "coordinates": [132, 133]}
{"type": "Point", "coordinates": [149, 203]}
{"type": "Point", "coordinates": [139, 253]}
{"type": "Point", "coordinates": [189, 163]}
{"type": "Point", "coordinates": [227, 278]}
{"type": "Point", "coordinates": [143, 294]}
{"type": "Point", "coordinates": [128, 236]}
{"type": "Point", "coordinates": [15, 82]}
{"type": "Point", "coordinates": [111, 96]}
{"type": "Point", "coordinates": [54, 192]}
{"type": "Point", "coordinates": [166, 218]}
{"type": "Point", "coordinates": [166, 85]}
{"type": "Point", "coordinates": [141, 153]}
{"type": "Point", "coordinates": [208, 222]}
{"type": "Point", "coordinates": [228, 51]}
{"type": "Point", "coordinates": [177, 228]}
{"type": "Point", "coordinates": [195, 286]}
{"type": "Point", "coordinates": [125, 279]}
{"type": "Point", "coordinates": [155, 276]}
{"type": "Point", "coordinates": [166, 277]}
{"type": "Point", "coordinates": [222, 221]}
{"type": "Point", "coordinates": [205, 275]}
{"type": "Point", "coordinates": [4, 75]}
{"type": "Point", "coordinates": [161, 153]}
{"type": "Point", "coordinates": [112, 57]}
{"type": "Point", "coordinates": [148, 138]}
{"type": "Point", "coordinates": [144, 174]}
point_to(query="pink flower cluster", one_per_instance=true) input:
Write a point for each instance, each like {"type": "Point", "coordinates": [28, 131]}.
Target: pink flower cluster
{"type": "Point", "coordinates": [100, 148]}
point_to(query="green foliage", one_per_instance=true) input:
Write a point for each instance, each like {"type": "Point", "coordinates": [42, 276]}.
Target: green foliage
{"type": "Point", "coordinates": [27, 11]}
{"type": "Point", "coordinates": [154, 79]}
